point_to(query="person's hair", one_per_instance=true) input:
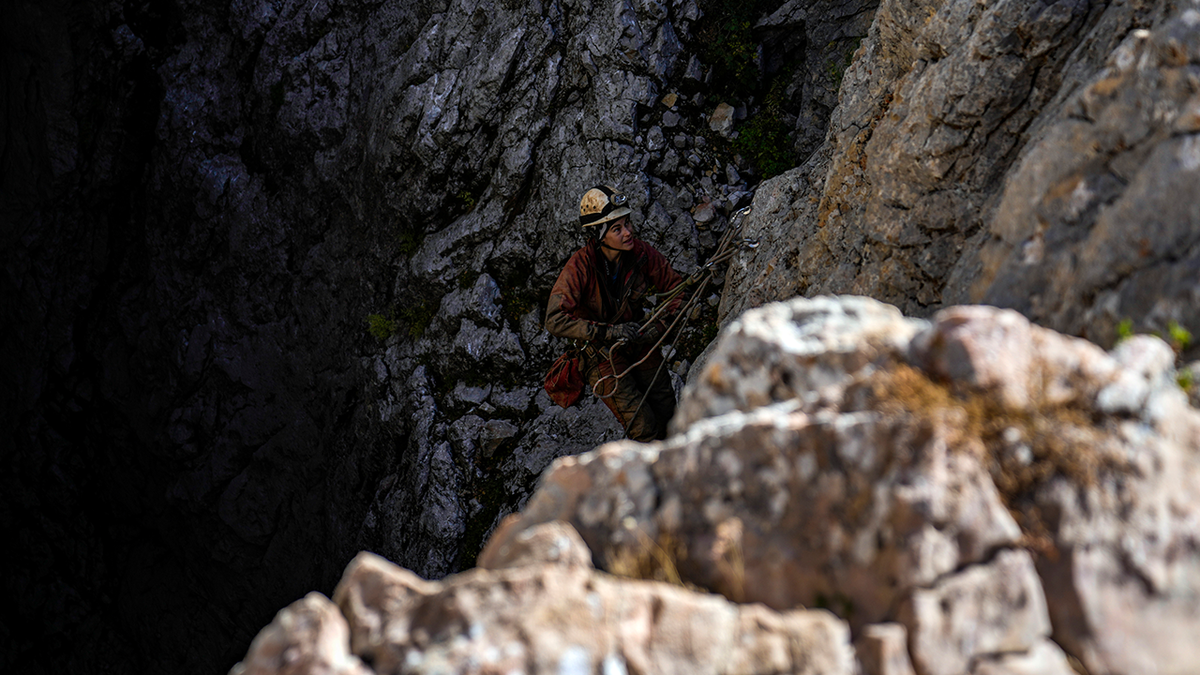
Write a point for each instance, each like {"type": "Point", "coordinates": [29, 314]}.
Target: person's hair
{"type": "Point", "coordinates": [598, 231]}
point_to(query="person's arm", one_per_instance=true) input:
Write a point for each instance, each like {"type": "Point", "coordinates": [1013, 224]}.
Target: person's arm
{"type": "Point", "coordinates": [565, 313]}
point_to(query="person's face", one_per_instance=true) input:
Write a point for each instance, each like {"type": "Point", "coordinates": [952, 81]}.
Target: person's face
{"type": "Point", "coordinates": [620, 235]}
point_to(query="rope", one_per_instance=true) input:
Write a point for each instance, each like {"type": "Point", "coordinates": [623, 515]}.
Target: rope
{"type": "Point", "coordinates": [701, 278]}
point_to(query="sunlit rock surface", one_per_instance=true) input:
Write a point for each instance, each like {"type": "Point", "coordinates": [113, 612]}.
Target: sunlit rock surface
{"type": "Point", "coordinates": [1000, 490]}
{"type": "Point", "coordinates": [274, 270]}
{"type": "Point", "coordinates": [968, 494]}
{"type": "Point", "coordinates": [1024, 154]}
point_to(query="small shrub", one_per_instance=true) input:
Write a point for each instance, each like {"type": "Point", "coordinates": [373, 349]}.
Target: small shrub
{"type": "Point", "coordinates": [725, 39]}
{"type": "Point", "coordinates": [837, 66]}
{"type": "Point", "coordinates": [835, 70]}
{"type": "Point", "coordinates": [380, 327]}
{"type": "Point", "coordinates": [698, 334]}
{"type": "Point", "coordinates": [417, 318]}
{"type": "Point", "coordinates": [467, 278]}
{"type": "Point", "coordinates": [407, 242]}
{"type": "Point", "coordinates": [466, 199]}
{"type": "Point", "coordinates": [1062, 437]}
{"type": "Point", "coordinates": [518, 301]}
{"type": "Point", "coordinates": [1180, 338]}
{"type": "Point", "coordinates": [1124, 330]}
{"type": "Point", "coordinates": [764, 140]}
{"type": "Point", "coordinates": [736, 51]}
{"type": "Point", "coordinates": [838, 603]}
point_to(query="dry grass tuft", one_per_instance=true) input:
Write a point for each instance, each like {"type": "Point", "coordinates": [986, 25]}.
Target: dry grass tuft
{"type": "Point", "coordinates": [655, 560]}
{"type": "Point", "coordinates": [730, 562]}
{"type": "Point", "coordinates": [1022, 449]}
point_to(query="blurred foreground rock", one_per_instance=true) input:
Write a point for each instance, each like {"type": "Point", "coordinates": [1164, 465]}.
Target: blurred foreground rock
{"type": "Point", "coordinates": [542, 613]}
{"type": "Point", "coordinates": [971, 494]}
{"type": "Point", "coordinates": [998, 489]}
{"type": "Point", "coordinates": [308, 636]}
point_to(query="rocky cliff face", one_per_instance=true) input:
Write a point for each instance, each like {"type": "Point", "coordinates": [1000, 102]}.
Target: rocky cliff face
{"type": "Point", "coordinates": [1026, 155]}
{"type": "Point", "coordinates": [207, 207]}
{"type": "Point", "coordinates": [274, 269]}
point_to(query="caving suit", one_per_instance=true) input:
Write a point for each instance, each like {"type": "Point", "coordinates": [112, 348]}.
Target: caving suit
{"type": "Point", "coordinates": [593, 294]}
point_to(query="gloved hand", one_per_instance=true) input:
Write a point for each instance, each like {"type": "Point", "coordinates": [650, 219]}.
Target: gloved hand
{"type": "Point", "coordinates": [652, 333]}
{"type": "Point", "coordinates": [625, 331]}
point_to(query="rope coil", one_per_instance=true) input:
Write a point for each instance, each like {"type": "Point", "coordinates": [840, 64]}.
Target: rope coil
{"type": "Point", "coordinates": [726, 250]}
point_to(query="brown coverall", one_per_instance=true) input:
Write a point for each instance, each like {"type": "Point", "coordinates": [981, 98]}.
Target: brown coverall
{"type": "Point", "coordinates": [584, 304]}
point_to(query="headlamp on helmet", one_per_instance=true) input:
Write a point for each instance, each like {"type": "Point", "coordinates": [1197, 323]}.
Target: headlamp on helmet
{"type": "Point", "coordinates": [600, 206]}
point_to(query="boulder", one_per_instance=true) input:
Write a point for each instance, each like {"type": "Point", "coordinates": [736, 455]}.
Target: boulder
{"type": "Point", "coordinates": [721, 119]}
{"type": "Point", "coordinates": [990, 609]}
{"type": "Point", "coordinates": [882, 649]}
{"type": "Point", "coordinates": [308, 637]}
{"type": "Point", "coordinates": [554, 614]}
{"type": "Point", "coordinates": [968, 478]}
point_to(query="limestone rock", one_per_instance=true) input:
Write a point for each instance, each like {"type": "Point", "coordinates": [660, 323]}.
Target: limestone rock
{"type": "Point", "coordinates": [958, 516]}
{"type": "Point", "coordinates": [555, 618]}
{"type": "Point", "coordinates": [783, 210]}
{"type": "Point", "coordinates": [703, 212]}
{"type": "Point", "coordinates": [494, 434]}
{"type": "Point", "coordinates": [553, 542]}
{"type": "Point", "coordinates": [1126, 548]}
{"type": "Point", "coordinates": [1118, 271]}
{"type": "Point", "coordinates": [748, 509]}
{"type": "Point", "coordinates": [721, 120]}
{"type": "Point", "coordinates": [825, 35]}
{"type": "Point", "coordinates": [1044, 659]}
{"type": "Point", "coordinates": [994, 608]}
{"type": "Point", "coordinates": [308, 637]}
{"type": "Point", "coordinates": [882, 649]}
{"type": "Point", "coordinates": [807, 352]}
{"type": "Point", "coordinates": [963, 166]}
{"type": "Point", "coordinates": [479, 303]}
{"type": "Point", "coordinates": [834, 453]}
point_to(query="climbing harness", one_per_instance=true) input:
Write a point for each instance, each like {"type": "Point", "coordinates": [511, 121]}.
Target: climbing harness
{"type": "Point", "coordinates": [726, 250]}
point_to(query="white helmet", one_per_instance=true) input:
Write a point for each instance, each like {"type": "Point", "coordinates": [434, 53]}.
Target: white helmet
{"type": "Point", "coordinates": [602, 204]}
